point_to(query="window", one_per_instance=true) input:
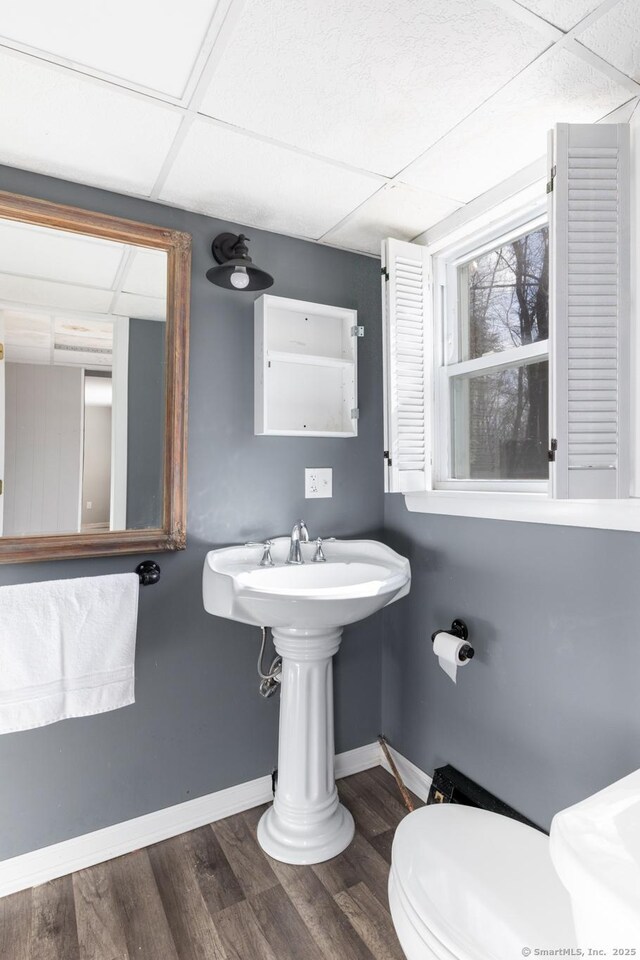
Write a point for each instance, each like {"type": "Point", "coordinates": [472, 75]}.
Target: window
{"type": "Point", "coordinates": [507, 350]}
{"type": "Point", "coordinates": [494, 379]}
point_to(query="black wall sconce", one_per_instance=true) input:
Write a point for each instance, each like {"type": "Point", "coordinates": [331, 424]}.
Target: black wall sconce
{"type": "Point", "coordinates": [236, 271]}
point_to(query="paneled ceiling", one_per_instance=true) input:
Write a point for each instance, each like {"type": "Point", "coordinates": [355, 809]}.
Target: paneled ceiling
{"type": "Point", "coordinates": [337, 122]}
{"type": "Point", "coordinates": [61, 292]}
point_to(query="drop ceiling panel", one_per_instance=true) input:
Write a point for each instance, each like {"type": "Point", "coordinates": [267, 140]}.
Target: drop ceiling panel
{"type": "Point", "coordinates": [616, 37]}
{"type": "Point", "coordinates": [60, 123]}
{"type": "Point", "coordinates": [147, 273]}
{"type": "Point", "coordinates": [89, 333]}
{"type": "Point", "coordinates": [56, 255]}
{"type": "Point", "coordinates": [395, 211]}
{"type": "Point", "coordinates": [510, 131]}
{"type": "Point", "coordinates": [153, 45]}
{"type": "Point", "coordinates": [369, 84]}
{"type": "Point", "coordinates": [562, 13]}
{"type": "Point", "coordinates": [225, 174]}
{"type": "Point", "coordinates": [56, 296]}
{"type": "Point", "coordinates": [144, 308]}
{"type": "Point", "coordinates": [28, 337]}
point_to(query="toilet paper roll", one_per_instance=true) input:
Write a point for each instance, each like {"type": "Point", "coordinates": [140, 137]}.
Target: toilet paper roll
{"type": "Point", "coordinates": [447, 649]}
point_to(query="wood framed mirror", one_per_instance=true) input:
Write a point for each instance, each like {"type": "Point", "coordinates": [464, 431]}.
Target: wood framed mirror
{"type": "Point", "coordinates": [94, 323]}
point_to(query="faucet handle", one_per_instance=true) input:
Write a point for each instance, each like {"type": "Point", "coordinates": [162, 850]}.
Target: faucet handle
{"type": "Point", "coordinates": [267, 559]}
{"type": "Point", "coordinates": [319, 556]}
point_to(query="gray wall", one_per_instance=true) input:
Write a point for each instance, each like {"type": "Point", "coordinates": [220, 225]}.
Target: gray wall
{"type": "Point", "coordinates": [547, 712]}
{"type": "Point", "coordinates": [198, 724]}
{"type": "Point", "coordinates": [145, 423]}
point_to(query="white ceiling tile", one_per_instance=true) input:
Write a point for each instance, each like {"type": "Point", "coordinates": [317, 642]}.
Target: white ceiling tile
{"type": "Point", "coordinates": [395, 211]}
{"type": "Point", "coordinates": [153, 45]}
{"type": "Point", "coordinates": [19, 353]}
{"type": "Point", "coordinates": [369, 84]}
{"type": "Point", "coordinates": [615, 36]}
{"type": "Point", "coordinates": [510, 131]}
{"type": "Point", "coordinates": [97, 334]}
{"type": "Point", "coordinates": [56, 296]}
{"type": "Point", "coordinates": [56, 255]}
{"type": "Point", "coordinates": [27, 337]}
{"type": "Point", "coordinates": [562, 13]}
{"type": "Point", "coordinates": [226, 174]}
{"type": "Point", "coordinates": [143, 308]}
{"type": "Point", "coordinates": [60, 123]}
{"type": "Point", "coordinates": [147, 273]}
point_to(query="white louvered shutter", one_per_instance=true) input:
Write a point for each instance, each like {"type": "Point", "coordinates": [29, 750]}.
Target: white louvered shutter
{"type": "Point", "coordinates": [589, 310]}
{"type": "Point", "coordinates": [407, 330]}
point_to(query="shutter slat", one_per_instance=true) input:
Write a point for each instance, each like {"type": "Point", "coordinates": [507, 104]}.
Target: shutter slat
{"type": "Point", "coordinates": [407, 333]}
{"type": "Point", "coordinates": [589, 310]}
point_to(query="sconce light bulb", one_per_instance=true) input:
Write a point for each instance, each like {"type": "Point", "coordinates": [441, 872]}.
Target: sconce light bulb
{"type": "Point", "coordinates": [240, 278]}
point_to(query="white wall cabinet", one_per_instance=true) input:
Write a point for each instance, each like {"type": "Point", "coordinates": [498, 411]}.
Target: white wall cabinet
{"type": "Point", "coordinates": [306, 376]}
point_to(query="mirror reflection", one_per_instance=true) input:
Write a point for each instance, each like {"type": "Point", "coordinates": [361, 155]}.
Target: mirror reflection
{"type": "Point", "coordinates": [82, 382]}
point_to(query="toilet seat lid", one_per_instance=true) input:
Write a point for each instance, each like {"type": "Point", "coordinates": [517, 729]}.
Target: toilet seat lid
{"type": "Point", "coordinates": [482, 883]}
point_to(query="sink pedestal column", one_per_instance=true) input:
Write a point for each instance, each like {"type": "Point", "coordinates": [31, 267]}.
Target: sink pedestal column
{"type": "Point", "coordinates": [306, 823]}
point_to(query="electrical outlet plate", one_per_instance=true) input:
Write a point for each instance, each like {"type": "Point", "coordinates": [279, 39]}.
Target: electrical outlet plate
{"type": "Point", "coordinates": [318, 482]}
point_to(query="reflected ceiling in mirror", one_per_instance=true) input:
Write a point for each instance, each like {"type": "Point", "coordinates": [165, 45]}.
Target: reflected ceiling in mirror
{"type": "Point", "coordinates": [93, 328]}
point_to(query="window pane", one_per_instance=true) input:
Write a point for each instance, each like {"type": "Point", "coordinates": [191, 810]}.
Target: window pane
{"type": "Point", "coordinates": [504, 296]}
{"type": "Point", "coordinates": [500, 424]}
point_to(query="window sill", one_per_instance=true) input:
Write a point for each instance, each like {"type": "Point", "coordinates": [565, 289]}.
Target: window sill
{"type": "Point", "coordinates": [529, 508]}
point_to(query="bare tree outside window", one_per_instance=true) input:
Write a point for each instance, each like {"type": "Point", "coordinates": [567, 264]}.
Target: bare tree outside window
{"type": "Point", "coordinates": [500, 417]}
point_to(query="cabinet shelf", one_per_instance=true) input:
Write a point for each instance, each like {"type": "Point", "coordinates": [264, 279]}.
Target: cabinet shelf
{"type": "Point", "coordinates": [305, 369]}
{"type": "Point", "coordinates": [315, 360]}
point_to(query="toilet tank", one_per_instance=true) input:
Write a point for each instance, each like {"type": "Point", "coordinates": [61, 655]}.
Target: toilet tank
{"type": "Point", "coordinates": [595, 849]}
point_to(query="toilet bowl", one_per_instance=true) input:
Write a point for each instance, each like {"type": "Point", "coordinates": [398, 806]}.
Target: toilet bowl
{"type": "Point", "coordinates": [466, 884]}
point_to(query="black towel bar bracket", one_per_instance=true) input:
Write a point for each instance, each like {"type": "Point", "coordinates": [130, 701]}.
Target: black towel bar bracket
{"type": "Point", "coordinates": [149, 572]}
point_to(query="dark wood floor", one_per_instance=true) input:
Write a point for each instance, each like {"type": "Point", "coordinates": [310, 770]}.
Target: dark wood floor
{"type": "Point", "coordinates": [212, 894]}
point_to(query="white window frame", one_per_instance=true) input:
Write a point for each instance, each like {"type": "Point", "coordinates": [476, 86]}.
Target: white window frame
{"type": "Point", "coordinates": [446, 340]}
{"type": "Point", "coordinates": [507, 206]}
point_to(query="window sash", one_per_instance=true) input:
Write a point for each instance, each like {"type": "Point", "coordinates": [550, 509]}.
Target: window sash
{"type": "Point", "coordinates": [500, 360]}
{"type": "Point", "coordinates": [448, 348]}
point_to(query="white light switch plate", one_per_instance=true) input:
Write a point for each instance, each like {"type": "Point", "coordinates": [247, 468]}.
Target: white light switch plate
{"type": "Point", "coordinates": [318, 482]}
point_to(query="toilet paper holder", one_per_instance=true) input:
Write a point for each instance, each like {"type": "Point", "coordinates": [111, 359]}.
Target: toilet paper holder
{"type": "Point", "coordinates": [459, 629]}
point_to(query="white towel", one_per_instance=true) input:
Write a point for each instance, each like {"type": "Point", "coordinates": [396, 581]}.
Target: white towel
{"type": "Point", "coordinates": [67, 649]}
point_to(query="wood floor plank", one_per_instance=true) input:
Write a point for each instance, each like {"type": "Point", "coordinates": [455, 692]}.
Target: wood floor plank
{"type": "Point", "coordinates": [100, 928]}
{"type": "Point", "coordinates": [325, 921]}
{"type": "Point", "coordinates": [370, 824]}
{"type": "Point", "coordinates": [218, 883]}
{"type": "Point", "coordinates": [15, 926]}
{"type": "Point", "coordinates": [386, 803]}
{"type": "Point", "coordinates": [54, 932]}
{"type": "Point", "coordinates": [241, 934]}
{"type": "Point", "coordinates": [388, 783]}
{"type": "Point", "coordinates": [383, 843]}
{"type": "Point", "coordinates": [176, 874]}
{"type": "Point", "coordinates": [358, 862]}
{"type": "Point", "coordinates": [145, 923]}
{"type": "Point", "coordinates": [283, 927]}
{"type": "Point", "coordinates": [372, 924]}
{"type": "Point", "coordinates": [245, 857]}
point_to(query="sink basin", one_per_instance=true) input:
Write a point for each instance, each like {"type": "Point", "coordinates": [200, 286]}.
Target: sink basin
{"type": "Point", "coordinates": [359, 577]}
{"type": "Point", "coordinates": [306, 606]}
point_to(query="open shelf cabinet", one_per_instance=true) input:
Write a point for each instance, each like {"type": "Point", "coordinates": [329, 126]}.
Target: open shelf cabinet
{"type": "Point", "coordinates": [306, 366]}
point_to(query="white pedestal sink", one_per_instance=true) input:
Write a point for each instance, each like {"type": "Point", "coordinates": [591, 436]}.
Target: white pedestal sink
{"type": "Point", "coordinates": [306, 606]}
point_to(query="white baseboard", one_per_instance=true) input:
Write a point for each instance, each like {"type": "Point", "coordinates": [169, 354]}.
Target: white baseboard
{"type": "Point", "coordinates": [48, 863]}
{"type": "Point", "coordinates": [414, 778]}
{"type": "Point", "coordinates": [60, 859]}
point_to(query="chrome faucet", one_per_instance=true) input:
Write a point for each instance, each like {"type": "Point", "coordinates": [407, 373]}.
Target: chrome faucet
{"type": "Point", "coordinates": [298, 534]}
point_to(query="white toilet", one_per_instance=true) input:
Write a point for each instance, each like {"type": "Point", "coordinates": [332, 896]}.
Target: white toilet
{"type": "Point", "coordinates": [466, 884]}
